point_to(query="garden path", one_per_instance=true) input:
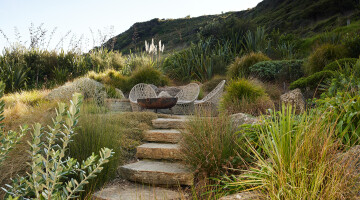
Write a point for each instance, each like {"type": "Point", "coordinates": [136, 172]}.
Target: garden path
{"type": "Point", "coordinates": [160, 169]}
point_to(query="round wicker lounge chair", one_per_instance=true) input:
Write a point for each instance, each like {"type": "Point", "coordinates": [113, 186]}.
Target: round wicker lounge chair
{"type": "Point", "coordinates": [186, 97]}
{"type": "Point", "coordinates": [210, 102]}
{"type": "Point", "coordinates": [140, 91]}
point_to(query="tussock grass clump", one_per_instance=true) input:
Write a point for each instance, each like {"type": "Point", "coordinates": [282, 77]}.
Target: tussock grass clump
{"type": "Point", "coordinates": [111, 77]}
{"type": "Point", "coordinates": [240, 68]}
{"type": "Point", "coordinates": [121, 132]}
{"type": "Point", "coordinates": [297, 158]}
{"type": "Point", "coordinates": [245, 96]}
{"type": "Point", "coordinates": [322, 56]}
{"type": "Point", "coordinates": [31, 98]}
{"type": "Point", "coordinates": [210, 146]}
{"type": "Point", "coordinates": [146, 74]}
{"type": "Point", "coordinates": [208, 143]}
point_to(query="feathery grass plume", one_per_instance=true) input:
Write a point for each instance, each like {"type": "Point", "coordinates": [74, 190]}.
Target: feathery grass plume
{"type": "Point", "coordinates": [50, 169]}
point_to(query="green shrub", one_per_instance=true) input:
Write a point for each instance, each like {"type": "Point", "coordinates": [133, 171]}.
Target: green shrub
{"type": "Point", "coordinates": [342, 103]}
{"type": "Point", "coordinates": [322, 56]}
{"type": "Point", "coordinates": [340, 64]}
{"type": "Point", "coordinates": [312, 81]}
{"type": "Point", "coordinates": [112, 92]}
{"type": "Point", "coordinates": [284, 70]}
{"type": "Point", "coordinates": [52, 174]}
{"type": "Point", "coordinates": [352, 44]}
{"type": "Point", "coordinates": [245, 96]}
{"type": "Point", "coordinates": [148, 75]}
{"type": "Point", "coordinates": [240, 67]}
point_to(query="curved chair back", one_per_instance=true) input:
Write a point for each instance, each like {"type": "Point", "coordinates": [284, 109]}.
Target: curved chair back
{"type": "Point", "coordinates": [189, 93]}
{"type": "Point", "coordinates": [215, 95]}
{"type": "Point", "coordinates": [141, 91]}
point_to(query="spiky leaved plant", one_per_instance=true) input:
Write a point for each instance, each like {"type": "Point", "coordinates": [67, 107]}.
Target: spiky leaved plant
{"type": "Point", "coordinates": [52, 175]}
{"type": "Point", "coordinates": [10, 138]}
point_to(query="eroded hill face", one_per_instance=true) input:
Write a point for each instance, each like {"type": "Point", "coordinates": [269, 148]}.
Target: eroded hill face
{"type": "Point", "coordinates": [304, 17]}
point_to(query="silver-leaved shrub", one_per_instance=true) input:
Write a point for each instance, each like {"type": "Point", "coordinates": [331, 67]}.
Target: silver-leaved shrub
{"type": "Point", "coordinates": [52, 174]}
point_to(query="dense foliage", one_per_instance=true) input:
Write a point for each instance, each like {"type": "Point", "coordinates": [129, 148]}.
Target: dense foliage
{"type": "Point", "coordinates": [340, 64]}
{"type": "Point", "coordinates": [312, 81]}
{"type": "Point", "coordinates": [201, 61]}
{"type": "Point", "coordinates": [52, 174]}
{"type": "Point", "coordinates": [240, 68]}
{"type": "Point", "coordinates": [284, 70]}
{"type": "Point", "coordinates": [323, 56]}
{"type": "Point", "coordinates": [116, 79]}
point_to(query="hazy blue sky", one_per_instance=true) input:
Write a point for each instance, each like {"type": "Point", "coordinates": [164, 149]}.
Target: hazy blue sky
{"type": "Point", "coordinates": [81, 15]}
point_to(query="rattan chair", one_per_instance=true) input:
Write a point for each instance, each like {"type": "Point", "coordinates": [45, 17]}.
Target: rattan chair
{"type": "Point", "coordinates": [140, 91]}
{"type": "Point", "coordinates": [210, 102]}
{"type": "Point", "coordinates": [186, 97]}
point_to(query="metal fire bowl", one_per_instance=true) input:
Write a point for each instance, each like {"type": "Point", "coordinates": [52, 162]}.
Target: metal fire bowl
{"type": "Point", "coordinates": [158, 103]}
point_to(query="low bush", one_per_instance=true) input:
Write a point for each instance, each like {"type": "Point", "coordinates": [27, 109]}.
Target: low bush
{"type": "Point", "coordinates": [322, 56]}
{"type": "Point", "coordinates": [312, 81]}
{"type": "Point", "coordinates": [284, 70]}
{"type": "Point", "coordinates": [340, 64]}
{"type": "Point", "coordinates": [52, 174]}
{"type": "Point", "coordinates": [245, 96]}
{"type": "Point", "coordinates": [352, 44]}
{"type": "Point", "coordinates": [240, 68]}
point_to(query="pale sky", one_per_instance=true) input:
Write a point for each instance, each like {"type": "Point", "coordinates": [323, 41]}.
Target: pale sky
{"type": "Point", "coordinates": [79, 16]}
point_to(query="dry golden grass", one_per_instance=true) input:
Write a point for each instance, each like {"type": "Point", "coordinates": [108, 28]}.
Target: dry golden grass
{"type": "Point", "coordinates": [32, 98]}
{"type": "Point", "coordinates": [15, 116]}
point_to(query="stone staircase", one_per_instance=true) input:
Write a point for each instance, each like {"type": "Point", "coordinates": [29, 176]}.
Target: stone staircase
{"type": "Point", "coordinates": [163, 152]}
{"type": "Point", "coordinates": [160, 162]}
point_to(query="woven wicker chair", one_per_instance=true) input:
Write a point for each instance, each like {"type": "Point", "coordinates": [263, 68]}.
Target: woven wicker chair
{"type": "Point", "coordinates": [140, 91]}
{"type": "Point", "coordinates": [211, 101]}
{"type": "Point", "coordinates": [186, 97]}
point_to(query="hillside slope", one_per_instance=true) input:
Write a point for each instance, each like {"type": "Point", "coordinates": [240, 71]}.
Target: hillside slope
{"type": "Point", "coordinates": [304, 17]}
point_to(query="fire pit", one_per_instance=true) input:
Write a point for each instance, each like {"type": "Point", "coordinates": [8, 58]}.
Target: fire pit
{"type": "Point", "coordinates": [157, 103]}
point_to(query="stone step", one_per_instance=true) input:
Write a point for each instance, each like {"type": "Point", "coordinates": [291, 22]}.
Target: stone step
{"type": "Point", "coordinates": [163, 135]}
{"type": "Point", "coordinates": [132, 191]}
{"type": "Point", "coordinates": [158, 173]}
{"type": "Point", "coordinates": [169, 123]}
{"type": "Point", "coordinates": [159, 151]}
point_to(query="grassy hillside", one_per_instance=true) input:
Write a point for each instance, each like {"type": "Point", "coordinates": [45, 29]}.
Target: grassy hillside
{"type": "Point", "coordinates": [301, 17]}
